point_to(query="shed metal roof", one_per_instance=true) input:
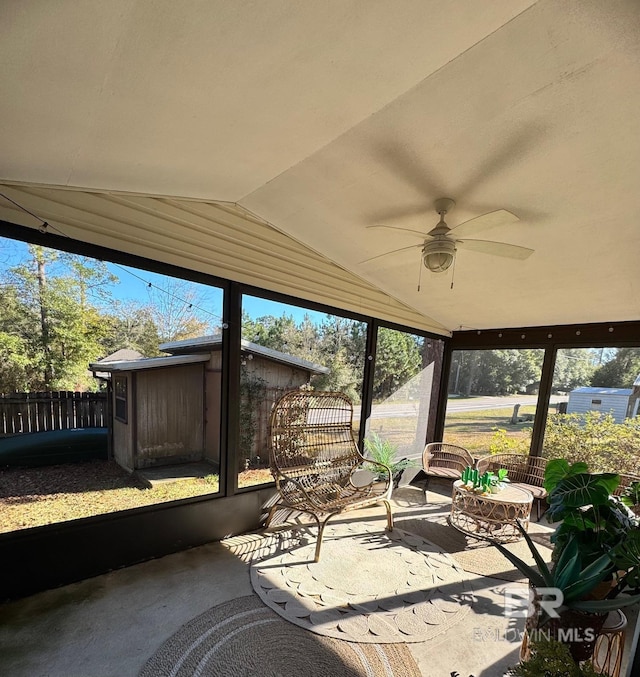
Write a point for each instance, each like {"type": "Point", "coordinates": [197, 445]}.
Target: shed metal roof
{"type": "Point", "coordinates": [147, 363]}
{"type": "Point", "coordinates": [214, 342]}
{"type": "Point", "coordinates": [591, 390]}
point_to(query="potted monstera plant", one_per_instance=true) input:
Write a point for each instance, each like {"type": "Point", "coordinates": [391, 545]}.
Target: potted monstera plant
{"type": "Point", "coordinates": [595, 559]}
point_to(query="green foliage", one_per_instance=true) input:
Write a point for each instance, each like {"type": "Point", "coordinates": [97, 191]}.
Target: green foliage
{"type": "Point", "coordinates": [596, 540]}
{"type": "Point", "coordinates": [15, 363]}
{"type": "Point", "coordinates": [385, 452]}
{"type": "Point", "coordinates": [594, 439]}
{"type": "Point", "coordinates": [486, 482]}
{"type": "Point", "coordinates": [60, 328]}
{"type": "Point", "coordinates": [631, 495]}
{"type": "Point", "coordinates": [574, 368]}
{"type": "Point", "coordinates": [570, 575]}
{"type": "Point", "coordinates": [502, 443]}
{"type": "Point", "coordinates": [494, 372]}
{"type": "Point", "coordinates": [252, 395]}
{"type": "Point", "coordinates": [550, 658]}
{"type": "Point", "coordinates": [598, 523]}
{"type": "Point", "coordinates": [398, 360]}
{"type": "Point", "coordinates": [342, 376]}
{"type": "Point", "coordinates": [337, 343]}
{"type": "Point", "coordinates": [620, 371]}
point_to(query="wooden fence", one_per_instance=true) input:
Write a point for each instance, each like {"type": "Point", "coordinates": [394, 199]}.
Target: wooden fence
{"type": "Point", "coordinates": [38, 412]}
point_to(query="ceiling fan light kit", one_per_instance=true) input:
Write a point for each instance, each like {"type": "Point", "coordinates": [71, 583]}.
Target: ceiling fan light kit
{"type": "Point", "coordinates": [438, 255]}
{"type": "Point", "coordinates": [440, 245]}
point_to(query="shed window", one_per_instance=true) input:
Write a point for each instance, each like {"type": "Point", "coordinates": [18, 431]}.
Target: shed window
{"type": "Point", "coordinates": [121, 396]}
{"type": "Point", "coordinates": [596, 401]}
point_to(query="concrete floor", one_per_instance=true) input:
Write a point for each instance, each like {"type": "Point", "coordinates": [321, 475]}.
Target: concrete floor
{"type": "Point", "coordinates": [110, 625]}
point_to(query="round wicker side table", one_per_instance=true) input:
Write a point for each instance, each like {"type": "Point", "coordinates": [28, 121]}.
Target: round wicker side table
{"type": "Point", "coordinates": [491, 515]}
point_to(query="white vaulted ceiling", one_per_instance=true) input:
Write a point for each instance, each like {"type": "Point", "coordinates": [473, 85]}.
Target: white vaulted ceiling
{"type": "Point", "coordinates": [313, 121]}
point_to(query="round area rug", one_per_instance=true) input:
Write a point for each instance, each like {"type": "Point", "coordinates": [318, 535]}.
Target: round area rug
{"type": "Point", "coordinates": [369, 585]}
{"type": "Point", "coordinates": [245, 638]}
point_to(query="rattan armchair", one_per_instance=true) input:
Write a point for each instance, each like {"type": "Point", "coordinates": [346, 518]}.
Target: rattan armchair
{"type": "Point", "coordinates": [524, 471]}
{"type": "Point", "coordinates": [316, 463]}
{"type": "Point", "coordinates": [443, 461]}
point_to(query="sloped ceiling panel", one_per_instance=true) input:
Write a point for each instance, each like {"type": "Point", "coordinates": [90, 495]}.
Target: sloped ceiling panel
{"type": "Point", "coordinates": [215, 238]}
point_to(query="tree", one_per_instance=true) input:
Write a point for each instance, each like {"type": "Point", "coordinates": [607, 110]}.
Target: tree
{"type": "Point", "coordinates": [398, 359]}
{"type": "Point", "coordinates": [90, 279]}
{"type": "Point", "coordinates": [177, 310]}
{"type": "Point", "coordinates": [574, 368]}
{"type": "Point", "coordinates": [619, 372]}
{"type": "Point", "coordinates": [341, 377]}
{"type": "Point", "coordinates": [20, 361]}
{"type": "Point", "coordinates": [61, 329]}
{"type": "Point", "coordinates": [494, 372]}
{"type": "Point", "coordinates": [132, 326]}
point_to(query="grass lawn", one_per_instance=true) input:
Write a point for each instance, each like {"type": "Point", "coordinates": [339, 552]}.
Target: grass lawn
{"type": "Point", "coordinates": [31, 497]}
{"type": "Point", "coordinates": [475, 430]}
{"type": "Point", "coordinates": [251, 478]}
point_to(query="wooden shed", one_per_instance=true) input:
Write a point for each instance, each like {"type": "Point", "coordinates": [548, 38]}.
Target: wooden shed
{"type": "Point", "coordinates": [266, 375]}
{"type": "Point", "coordinates": [158, 407]}
{"type": "Point", "coordinates": [166, 410]}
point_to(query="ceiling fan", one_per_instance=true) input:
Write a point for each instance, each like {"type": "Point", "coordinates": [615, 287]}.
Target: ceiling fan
{"type": "Point", "coordinates": [439, 246]}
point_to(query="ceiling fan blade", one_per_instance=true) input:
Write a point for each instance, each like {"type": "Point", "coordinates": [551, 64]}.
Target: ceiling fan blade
{"type": "Point", "coordinates": [406, 230]}
{"type": "Point", "coordinates": [509, 251]}
{"type": "Point", "coordinates": [501, 217]}
{"type": "Point", "coordinates": [393, 251]}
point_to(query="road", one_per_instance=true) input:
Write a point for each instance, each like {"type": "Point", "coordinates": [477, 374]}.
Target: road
{"type": "Point", "coordinates": [405, 409]}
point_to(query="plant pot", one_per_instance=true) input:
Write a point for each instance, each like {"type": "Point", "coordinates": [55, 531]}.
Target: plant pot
{"type": "Point", "coordinates": [578, 630]}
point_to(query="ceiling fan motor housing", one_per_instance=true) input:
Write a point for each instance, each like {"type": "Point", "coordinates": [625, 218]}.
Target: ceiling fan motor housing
{"type": "Point", "coordinates": [438, 254]}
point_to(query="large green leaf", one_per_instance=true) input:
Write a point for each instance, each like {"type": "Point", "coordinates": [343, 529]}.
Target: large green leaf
{"type": "Point", "coordinates": [604, 605]}
{"type": "Point", "coordinates": [588, 578]}
{"type": "Point", "coordinates": [559, 468]}
{"type": "Point", "coordinates": [610, 479]}
{"type": "Point", "coordinates": [541, 577]}
{"type": "Point", "coordinates": [532, 574]}
{"type": "Point", "coordinates": [581, 490]}
{"type": "Point", "coordinates": [568, 566]}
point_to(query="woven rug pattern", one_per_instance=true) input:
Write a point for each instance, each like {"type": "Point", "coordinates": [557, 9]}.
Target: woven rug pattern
{"type": "Point", "coordinates": [243, 637]}
{"type": "Point", "coordinates": [369, 585]}
{"type": "Point", "coordinates": [475, 555]}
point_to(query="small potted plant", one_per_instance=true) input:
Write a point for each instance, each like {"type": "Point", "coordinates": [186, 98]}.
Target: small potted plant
{"type": "Point", "coordinates": [385, 452]}
{"type": "Point", "coordinates": [485, 483]}
{"type": "Point", "coordinates": [499, 480]}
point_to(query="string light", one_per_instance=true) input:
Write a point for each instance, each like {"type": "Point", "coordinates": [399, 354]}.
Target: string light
{"type": "Point", "coordinates": [44, 226]}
